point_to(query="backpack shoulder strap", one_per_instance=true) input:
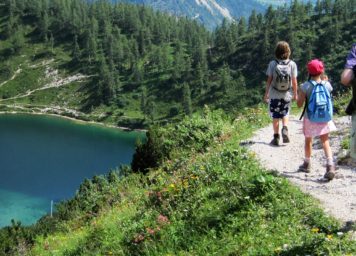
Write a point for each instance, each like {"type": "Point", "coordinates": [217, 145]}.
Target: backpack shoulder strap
{"type": "Point", "coordinates": [306, 102]}
{"type": "Point", "coordinates": [312, 82]}
{"type": "Point", "coordinates": [282, 62]}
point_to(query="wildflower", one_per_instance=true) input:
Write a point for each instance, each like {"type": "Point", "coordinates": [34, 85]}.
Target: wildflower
{"type": "Point", "coordinates": [162, 219]}
{"type": "Point", "coordinates": [278, 249]}
{"type": "Point", "coordinates": [329, 237]}
{"type": "Point", "coordinates": [150, 231]}
{"type": "Point", "coordinates": [340, 233]}
{"type": "Point", "coordinates": [172, 185]}
{"type": "Point", "coordinates": [315, 230]}
{"type": "Point", "coordinates": [139, 238]}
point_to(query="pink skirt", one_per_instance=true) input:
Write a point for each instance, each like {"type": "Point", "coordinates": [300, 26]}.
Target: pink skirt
{"type": "Point", "coordinates": [311, 129]}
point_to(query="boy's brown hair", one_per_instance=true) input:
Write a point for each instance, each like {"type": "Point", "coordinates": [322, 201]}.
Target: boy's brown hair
{"type": "Point", "coordinates": [282, 51]}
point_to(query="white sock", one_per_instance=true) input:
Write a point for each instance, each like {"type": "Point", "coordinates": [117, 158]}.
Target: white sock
{"type": "Point", "coordinates": [330, 161]}
{"type": "Point", "coordinates": [307, 159]}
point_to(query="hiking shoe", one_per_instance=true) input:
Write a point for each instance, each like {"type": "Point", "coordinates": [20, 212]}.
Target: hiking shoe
{"type": "Point", "coordinates": [330, 172]}
{"type": "Point", "coordinates": [285, 134]}
{"type": "Point", "coordinates": [305, 167]}
{"type": "Point", "coordinates": [275, 141]}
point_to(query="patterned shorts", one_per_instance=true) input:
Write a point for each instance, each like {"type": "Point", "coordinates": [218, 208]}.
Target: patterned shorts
{"type": "Point", "coordinates": [279, 108]}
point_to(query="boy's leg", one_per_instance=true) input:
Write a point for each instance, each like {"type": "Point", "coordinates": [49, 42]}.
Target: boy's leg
{"type": "Point", "coordinates": [330, 167]}
{"type": "Point", "coordinates": [275, 140]}
{"type": "Point", "coordinates": [276, 125]}
{"type": "Point", "coordinates": [284, 132]}
{"type": "Point", "coordinates": [285, 120]}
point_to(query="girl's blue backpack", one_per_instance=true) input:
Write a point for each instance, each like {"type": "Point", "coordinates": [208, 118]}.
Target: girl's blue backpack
{"type": "Point", "coordinates": [320, 107]}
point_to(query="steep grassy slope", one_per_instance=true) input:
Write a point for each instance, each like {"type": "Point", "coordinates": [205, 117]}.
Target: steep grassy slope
{"type": "Point", "coordinates": [208, 196]}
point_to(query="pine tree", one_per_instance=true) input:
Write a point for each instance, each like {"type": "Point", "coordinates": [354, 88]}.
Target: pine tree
{"type": "Point", "coordinates": [225, 79]}
{"type": "Point", "coordinates": [187, 99]}
{"type": "Point", "coordinates": [76, 50]}
{"type": "Point", "coordinates": [252, 21]}
{"type": "Point", "coordinates": [43, 26]}
{"type": "Point", "coordinates": [18, 40]}
{"type": "Point", "coordinates": [143, 103]}
{"type": "Point", "coordinates": [51, 43]}
{"type": "Point", "coordinates": [106, 90]}
{"type": "Point", "coordinates": [91, 47]}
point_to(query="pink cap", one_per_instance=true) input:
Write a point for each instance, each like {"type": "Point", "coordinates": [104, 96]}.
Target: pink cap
{"type": "Point", "coordinates": [315, 67]}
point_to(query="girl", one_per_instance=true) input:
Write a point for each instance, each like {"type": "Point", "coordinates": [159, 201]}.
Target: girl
{"type": "Point", "coordinates": [312, 129]}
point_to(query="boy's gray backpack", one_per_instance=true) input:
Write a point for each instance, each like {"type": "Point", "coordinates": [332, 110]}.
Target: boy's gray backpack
{"type": "Point", "coordinates": [282, 76]}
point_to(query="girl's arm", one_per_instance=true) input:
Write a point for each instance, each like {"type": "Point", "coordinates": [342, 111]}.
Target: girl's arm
{"type": "Point", "coordinates": [301, 98]}
{"type": "Point", "coordinates": [295, 88]}
{"type": "Point", "coordinates": [268, 84]}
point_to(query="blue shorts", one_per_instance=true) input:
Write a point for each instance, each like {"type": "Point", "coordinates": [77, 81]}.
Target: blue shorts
{"type": "Point", "coordinates": [279, 108]}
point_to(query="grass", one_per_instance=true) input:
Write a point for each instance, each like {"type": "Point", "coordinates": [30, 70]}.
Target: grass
{"type": "Point", "coordinates": [209, 196]}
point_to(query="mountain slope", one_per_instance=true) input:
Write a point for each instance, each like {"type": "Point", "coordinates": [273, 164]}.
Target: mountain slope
{"type": "Point", "coordinates": [212, 12]}
{"type": "Point", "coordinates": [209, 12]}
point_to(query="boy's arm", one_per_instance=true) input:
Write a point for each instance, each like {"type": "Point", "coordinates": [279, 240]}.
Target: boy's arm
{"type": "Point", "coordinates": [268, 84]}
{"type": "Point", "coordinates": [350, 67]}
{"type": "Point", "coordinates": [347, 76]}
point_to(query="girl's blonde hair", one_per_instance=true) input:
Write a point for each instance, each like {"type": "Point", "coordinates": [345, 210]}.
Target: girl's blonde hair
{"type": "Point", "coordinates": [282, 51]}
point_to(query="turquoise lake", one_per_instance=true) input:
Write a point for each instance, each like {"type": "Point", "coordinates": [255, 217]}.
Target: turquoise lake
{"type": "Point", "coordinates": [44, 158]}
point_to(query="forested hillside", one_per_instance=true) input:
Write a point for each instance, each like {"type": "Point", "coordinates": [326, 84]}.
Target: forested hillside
{"type": "Point", "coordinates": [192, 188]}
{"type": "Point", "coordinates": [129, 65]}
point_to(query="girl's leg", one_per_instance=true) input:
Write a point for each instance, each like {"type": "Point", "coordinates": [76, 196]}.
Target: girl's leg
{"type": "Point", "coordinates": [326, 146]}
{"type": "Point", "coordinates": [306, 166]}
{"type": "Point", "coordinates": [308, 148]}
{"type": "Point", "coordinates": [330, 167]}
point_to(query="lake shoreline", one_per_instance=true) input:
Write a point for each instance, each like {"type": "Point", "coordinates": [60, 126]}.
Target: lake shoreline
{"type": "Point", "coordinates": [126, 129]}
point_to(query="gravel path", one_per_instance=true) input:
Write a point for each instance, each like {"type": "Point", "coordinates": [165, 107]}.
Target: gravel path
{"type": "Point", "coordinates": [338, 196]}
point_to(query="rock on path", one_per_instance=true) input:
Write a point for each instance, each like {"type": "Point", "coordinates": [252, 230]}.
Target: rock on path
{"type": "Point", "coordinates": [338, 196]}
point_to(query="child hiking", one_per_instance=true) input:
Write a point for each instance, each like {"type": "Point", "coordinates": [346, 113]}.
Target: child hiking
{"type": "Point", "coordinates": [317, 116]}
{"type": "Point", "coordinates": [281, 88]}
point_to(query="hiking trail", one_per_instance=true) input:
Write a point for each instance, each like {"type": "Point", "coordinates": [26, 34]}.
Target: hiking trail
{"type": "Point", "coordinates": [337, 197]}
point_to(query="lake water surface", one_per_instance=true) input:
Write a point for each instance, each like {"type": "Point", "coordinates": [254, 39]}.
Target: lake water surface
{"type": "Point", "coordinates": [44, 158]}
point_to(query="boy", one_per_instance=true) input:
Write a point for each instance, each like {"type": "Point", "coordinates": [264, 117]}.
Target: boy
{"type": "Point", "coordinates": [281, 88]}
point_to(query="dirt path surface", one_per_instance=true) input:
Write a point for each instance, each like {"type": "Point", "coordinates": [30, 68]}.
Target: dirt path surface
{"type": "Point", "coordinates": [338, 196]}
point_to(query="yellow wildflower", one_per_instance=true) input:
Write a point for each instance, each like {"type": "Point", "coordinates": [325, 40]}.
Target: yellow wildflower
{"type": "Point", "coordinates": [315, 230]}
{"type": "Point", "coordinates": [278, 249]}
